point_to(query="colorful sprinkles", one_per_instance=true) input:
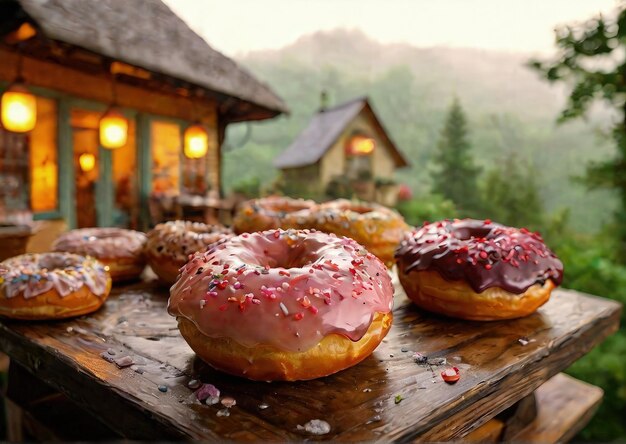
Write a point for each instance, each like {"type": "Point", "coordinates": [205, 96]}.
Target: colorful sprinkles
{"type": "Point", "coordinates": [292, 286]}
{"type": "Point", "coordinates": [33, 274]}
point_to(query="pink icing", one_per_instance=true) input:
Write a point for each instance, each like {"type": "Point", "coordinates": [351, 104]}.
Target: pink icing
{"type": "Point", "coordinates": [104, 243]}
{"type": "Point", "coordinates": [34, 274]}
{"type": "Point", "coordinates": [288, 289]}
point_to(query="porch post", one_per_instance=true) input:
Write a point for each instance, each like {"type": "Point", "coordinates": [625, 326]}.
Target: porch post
{"type": "Point", "coordinates": [144, 164]}
{"type": "Point", "coordinates": [67, 184]}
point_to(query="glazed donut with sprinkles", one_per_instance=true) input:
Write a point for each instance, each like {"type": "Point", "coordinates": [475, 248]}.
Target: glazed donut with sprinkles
{"type": "Point", "coordinates": [170, 245]}
{"type": "Point", "coordinates": [119, 249]}
{"type": "Point", "coordinates": [477, 270]}
{"type": "Point", "coordinates": [52, 286]}
{"type": "Point", "coordinates": [283, 305]}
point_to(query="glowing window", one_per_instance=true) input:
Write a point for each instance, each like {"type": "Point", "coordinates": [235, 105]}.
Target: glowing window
{"type": "Point", "coordinates": [44, 171]}
{"type": "Point", "coordinates": [166, 149]}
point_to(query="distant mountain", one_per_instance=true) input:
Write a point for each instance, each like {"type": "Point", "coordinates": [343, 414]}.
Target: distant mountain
{"type": "Point", "coordinates": [510, 110]}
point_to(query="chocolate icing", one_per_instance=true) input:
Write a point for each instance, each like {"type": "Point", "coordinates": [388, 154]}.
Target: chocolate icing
{"type": "Point", "coordinates": [482, 253]}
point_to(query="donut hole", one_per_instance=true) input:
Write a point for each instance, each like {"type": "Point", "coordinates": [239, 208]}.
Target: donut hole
{"type": "Point", "coordinates": [360, 209]}
{"type": "Point", "coordinates": [53, 262]}
{"type": "Point", "coordinates": [296, 256]}
{"type": "Point", "coordinates": [466, 233]}
{"type": "Point", "coordinates": [286, 207]}
{"type": "Point", "coordinates": [102, 235]}
{"type": "Point", "coordinates": [288, 253]}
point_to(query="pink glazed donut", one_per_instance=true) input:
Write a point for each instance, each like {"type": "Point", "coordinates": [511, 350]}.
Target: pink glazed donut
{"type": "Point", "coordinates": [283, 305]}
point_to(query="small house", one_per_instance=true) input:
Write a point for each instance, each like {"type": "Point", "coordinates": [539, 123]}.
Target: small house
{"type": "Point", "coordinates": [343, 152]}
{"type": "Point", "coordinates": [107, 104]}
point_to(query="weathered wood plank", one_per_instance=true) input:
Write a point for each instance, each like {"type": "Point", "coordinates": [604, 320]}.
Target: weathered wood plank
{"type": "Point", "coordinates": [359, 403]}
{"type": "Point", "coordinates": [45, 411]}
{"type": "Point", "coordinates": [565, 405]}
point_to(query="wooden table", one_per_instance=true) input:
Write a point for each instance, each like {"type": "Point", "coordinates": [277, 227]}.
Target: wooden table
{"type": "Point", "coordinates": [387, 397]}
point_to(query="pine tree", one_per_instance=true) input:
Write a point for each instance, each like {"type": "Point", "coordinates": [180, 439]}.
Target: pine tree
{"type": "Point", "coordinates": [456, 176]}
{"type": "Point", "coordinates": [601, 40]}
{"type": "Point", "coordinates": [511, 195]}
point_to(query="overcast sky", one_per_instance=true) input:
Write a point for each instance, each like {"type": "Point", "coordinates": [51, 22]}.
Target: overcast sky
{"type": "Point", "coordinates": [238, 26]}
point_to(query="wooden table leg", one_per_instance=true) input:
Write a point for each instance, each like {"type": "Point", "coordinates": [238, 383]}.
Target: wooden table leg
{"type": "Point", "coordinates": [14, 420]}
{"type": "Point", "coordinates": [4, 363]}
{"type": "Point", "coordinates": [556, 412]}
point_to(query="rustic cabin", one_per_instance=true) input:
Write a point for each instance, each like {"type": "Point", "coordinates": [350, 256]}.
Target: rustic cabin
{"type": "Point", "coordinates": [343, 152]}
{"type": "Point", "coordinates": [112, 111]}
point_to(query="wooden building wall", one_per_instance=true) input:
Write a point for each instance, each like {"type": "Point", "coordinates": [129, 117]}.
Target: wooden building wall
{"type": "Point", "coordinates": [332, 163]}
{"type": "Point", "coordinates": [98, 88]}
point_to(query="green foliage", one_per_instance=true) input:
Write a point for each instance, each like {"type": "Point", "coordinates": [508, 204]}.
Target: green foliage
{"type": "Point", "coordinates": [456, 176]}
{"type": "Point", "coordinates": [339, 187]}
{"type": "Point", "coordinates": [251, 162]}
{"type": "Point", "coordinates": [248, 187]}
{"type": "Point", "coordinates": [590, 57]}
{"type": "Point", "coordinates": [427, 209]}
{"type": "Point", "coordinates": [511, 196]}
{"type": "Point", "coordinates": [410, 89]}
{"type": "Point", "coordinates": [588, 268]}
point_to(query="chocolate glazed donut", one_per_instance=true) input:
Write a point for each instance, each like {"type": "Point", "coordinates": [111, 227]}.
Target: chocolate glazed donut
{"type": "Point", "coordinates": [477, 269]}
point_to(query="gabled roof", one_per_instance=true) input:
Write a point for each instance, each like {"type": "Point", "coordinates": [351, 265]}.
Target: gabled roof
{"type": "Point", "coordinates": [323, 131]}
{"type": "Point", "coordinates": [147, 34]}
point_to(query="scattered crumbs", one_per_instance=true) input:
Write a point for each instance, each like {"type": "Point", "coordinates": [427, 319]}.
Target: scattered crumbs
{"type": "Point", "coordinates": [223, 412]}
{"type": "Point", "coordinates": [315, 427]}
{"type": "Point", "coordinates": [419, 358]}
{"type": "Point", "coordinates": [212, 400]}
{"type": "Point", "coordinates": [263, 406]}
{"type": "Point", "coordinates": [398, 399]}
{"type": "Point", "coordinates": [69, 329]}
{"type": "Point", "coordinates": [438, 361]}
{"type": "Point", "coordinates": [451, 375]}
{"type": "Point", "coordinates": [525, 341]}
{"type": "Point", "coordinates": [391, 355]}
{"type": "Point", "coordinates": [124, 361]}
{"type": "Point", "coordinates": [163, 388]}
{"type": "Point", "coordinates": [228, 402]}
{"type": "Point", "coordinates": [107, 357]}
{"type": "Point", "coordinates": [374, 419]}
{"type": "Point", "coordinates": [404, 349]}
{"type": "Point", "coordinates": [367, 390]}
{"type": "Point", "coordinates": [137, 369]}
{"type": "Point", "coordinates": [207, 390]}
{"type": "Point", "coordinates": [194, 384]}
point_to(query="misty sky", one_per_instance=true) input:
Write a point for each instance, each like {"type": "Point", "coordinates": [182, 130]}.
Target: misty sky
{"type": "Point", "coordinates": [238, 26]}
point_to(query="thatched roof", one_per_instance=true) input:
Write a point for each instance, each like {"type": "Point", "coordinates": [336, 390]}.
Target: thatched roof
{"type": "Point", "coordinates": [147, 34]}
{"type": "Point", "coordinates": [323, 131]}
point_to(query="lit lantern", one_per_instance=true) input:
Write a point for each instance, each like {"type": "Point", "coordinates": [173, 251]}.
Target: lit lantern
{"type": "Point", "coordinates": [87, 162]}
{"type": "Point", "coordinates": [18, 109]}
{"type": "Point", "coordinates": [113, 129]}
{"type": "Point", "coordinates": [361, 145]}
{"type": "Point", "coordinates": [196, 141]}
